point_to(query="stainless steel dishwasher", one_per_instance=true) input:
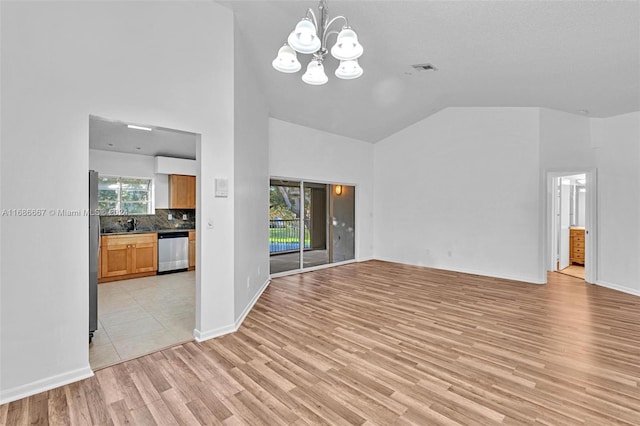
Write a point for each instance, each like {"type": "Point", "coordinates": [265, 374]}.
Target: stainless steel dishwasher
{"type": "Point", "coordinates": [173, 251]}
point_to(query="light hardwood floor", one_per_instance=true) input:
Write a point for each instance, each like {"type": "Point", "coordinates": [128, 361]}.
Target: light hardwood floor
{"type": "Point", "coordinates": [382, 343]}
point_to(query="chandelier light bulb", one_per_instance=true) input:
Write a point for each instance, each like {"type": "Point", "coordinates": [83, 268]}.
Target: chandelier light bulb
{"type": "Point", "coordinates": [304, 38]}
{"type": "Point", "coordinates": [315, 73]}
{"type": "Point", "coordinates": [287, 60]}
{"type": "Point", "coordinates": [348, 70]}
{"type": "Point", "coordinates": [347, 46]}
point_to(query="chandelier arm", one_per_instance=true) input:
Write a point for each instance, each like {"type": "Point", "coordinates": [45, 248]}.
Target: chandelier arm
{"type": "Point", "coordinates": [346, 23]}
{"type": "Point", "coordinates": [326, 36]}
{"type": "Point", "coordinates": [313, 16]}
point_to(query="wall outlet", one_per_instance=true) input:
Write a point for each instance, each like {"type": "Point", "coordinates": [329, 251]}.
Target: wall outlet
{"type": "Point", "coordinates": [185, 217]}
{"type": "Point", "coordinates": [248, 282]}
{"type": "Point", "coordinates": [170, 217]}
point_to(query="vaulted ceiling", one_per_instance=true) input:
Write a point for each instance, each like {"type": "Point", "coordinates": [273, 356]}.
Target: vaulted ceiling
{"type": "Point", "coordinates": [565, 55]}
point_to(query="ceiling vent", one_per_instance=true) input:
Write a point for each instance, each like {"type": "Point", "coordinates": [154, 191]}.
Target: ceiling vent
{"type": "Point", "coordinates": [424, 67]}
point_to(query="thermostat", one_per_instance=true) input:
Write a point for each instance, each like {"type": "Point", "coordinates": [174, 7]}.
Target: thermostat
{"type": "Point", "coordinates": [222, 188]}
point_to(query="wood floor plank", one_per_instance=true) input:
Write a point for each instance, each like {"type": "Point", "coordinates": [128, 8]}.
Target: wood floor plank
{"type": "Point", "coordinates": [377, 343]}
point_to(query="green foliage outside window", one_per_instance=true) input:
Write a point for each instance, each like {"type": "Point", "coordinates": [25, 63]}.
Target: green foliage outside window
{"type": "Point", "coordinates": [124, 195]}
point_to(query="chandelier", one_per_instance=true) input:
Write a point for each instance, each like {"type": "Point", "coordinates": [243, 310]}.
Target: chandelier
{"type": "Point", "coordinates": [310, 37]}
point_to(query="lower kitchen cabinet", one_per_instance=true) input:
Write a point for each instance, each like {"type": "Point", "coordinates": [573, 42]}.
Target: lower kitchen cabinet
{"type": "Point", "coordinates": [128, 256]}
{"type": "Point", "coordinates": [192, 250]}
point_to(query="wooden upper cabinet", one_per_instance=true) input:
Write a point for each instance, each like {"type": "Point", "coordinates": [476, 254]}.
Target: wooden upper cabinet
{"type": "Point", "coordinates": [182, 192]}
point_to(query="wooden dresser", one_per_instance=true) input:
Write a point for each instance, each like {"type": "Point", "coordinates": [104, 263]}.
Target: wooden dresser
{"type": "Point", "coordinates": [576, 245]}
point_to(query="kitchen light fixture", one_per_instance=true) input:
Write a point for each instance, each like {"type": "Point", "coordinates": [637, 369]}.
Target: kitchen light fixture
{"type": "Point", "coordinates": [310, 37]}
{"type": "Point", "coordinates": [131, 126]}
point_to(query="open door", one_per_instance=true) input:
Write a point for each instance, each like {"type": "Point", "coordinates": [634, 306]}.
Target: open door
{"type": "Point", "coordinates": [563, 243]}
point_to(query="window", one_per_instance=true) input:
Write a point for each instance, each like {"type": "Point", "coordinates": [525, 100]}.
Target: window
{"type": "Point", "coordinates": [125, 195]}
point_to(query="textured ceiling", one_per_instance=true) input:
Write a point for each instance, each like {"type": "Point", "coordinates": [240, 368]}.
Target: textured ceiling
{"type": "Point", "coordinates": [565, 55]}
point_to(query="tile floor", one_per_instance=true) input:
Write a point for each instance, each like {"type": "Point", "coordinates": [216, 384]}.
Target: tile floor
{"type": "Point", "coordinates": [144, 315]}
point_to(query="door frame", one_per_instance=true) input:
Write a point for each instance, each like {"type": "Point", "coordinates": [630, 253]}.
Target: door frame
{"type": "Point", "coordinates": [591, 230]}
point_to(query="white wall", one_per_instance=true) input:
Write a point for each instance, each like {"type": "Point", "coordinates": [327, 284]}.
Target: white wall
{"type": "Point", "coordinates": [164, 63]}
{"type": "Point", "coordinates": [618, 162]}
{"type": "Point", "coordinates": [301, 152]}
{"type": "Point", "coordinates": [459, 190]}
{"type": "Point", "coordinates": [565, 141]}
{"type": "Point", "coordinates": [132, 165]}
{"type": "Point", "coordinates": [251, 235]}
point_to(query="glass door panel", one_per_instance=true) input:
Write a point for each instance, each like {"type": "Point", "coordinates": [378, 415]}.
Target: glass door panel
{"type": "Point", "coordinates": [342, 204]}
{"type": "Point", "coordinates": [284, 226]}
{"type": "Point", "coordinates": [316, 204]}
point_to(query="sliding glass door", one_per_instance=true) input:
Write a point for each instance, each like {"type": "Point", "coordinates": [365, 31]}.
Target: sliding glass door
{"type": "Point", "coordinates": [310, 224]}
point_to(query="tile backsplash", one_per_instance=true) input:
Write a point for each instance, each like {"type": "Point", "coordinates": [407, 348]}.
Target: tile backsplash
{"type": "Point", "coordinates": [153, 222]}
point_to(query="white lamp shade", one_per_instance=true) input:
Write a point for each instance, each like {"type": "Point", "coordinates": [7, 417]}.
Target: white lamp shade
{"type": "Point", "coordinates": [349, 70]}
{"type": "Point", "coordinates": [347, 46]}
{"type": "Point", "coordinates": [315, 73]}
{"type": "Point", "coordinates": [304, 38]}
{"type": "Point", "coordinates": [287, 60]}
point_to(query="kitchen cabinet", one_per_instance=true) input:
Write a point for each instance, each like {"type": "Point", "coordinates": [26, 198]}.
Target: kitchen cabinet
{"type": "Point", "coordinates": [182, 192]}
{"type": "Point", "coordinates": [576, 245]}
{"type": "Point", "coordinates": [128, 256]}
{"type": "Point", "coordinates": [192, 250]}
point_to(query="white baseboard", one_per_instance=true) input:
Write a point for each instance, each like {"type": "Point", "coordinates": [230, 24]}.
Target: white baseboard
{"type": "Point", "coordinates": [201, 336]}
{"type": "Point", "coordinates": [618, 287]}
{"type": "Point", "coordinates": [23, 391]}
{"type": "Point", "coordinates": [365, 259]}
{"type": "Point", "coordinates": [520, 278]}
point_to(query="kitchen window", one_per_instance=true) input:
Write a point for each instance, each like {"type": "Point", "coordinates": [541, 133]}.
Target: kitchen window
{"type": "Point", "coordinates": [125, 195]}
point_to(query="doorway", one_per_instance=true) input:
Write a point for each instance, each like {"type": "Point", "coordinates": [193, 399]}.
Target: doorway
{"type": "Point", "coordinates": [311, 225]}
{"type": "Point", "coordinates": [139, 197]}
{"type": "Point", "coordinates": [571, 223]}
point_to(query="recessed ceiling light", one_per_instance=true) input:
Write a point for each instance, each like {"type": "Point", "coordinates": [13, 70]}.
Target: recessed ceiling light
{"type": "Point", "coordinates": [138, 148]}
{"type": "Point", "coordinates": [110, 144]}
{"type": "Point", "coordinates": [131, 126]}
{"type": "Point", "coordinates": [583, 111]}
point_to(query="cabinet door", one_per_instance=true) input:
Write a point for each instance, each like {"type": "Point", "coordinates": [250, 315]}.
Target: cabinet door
{"type": "Point", "coordinates": [145, 257]}
{"type": "Point", "coordinates": [116, 260]}
{"type": "Point", "coordinates": [182, 192]}
{"type": "Point", "coordinates": [192, 254]}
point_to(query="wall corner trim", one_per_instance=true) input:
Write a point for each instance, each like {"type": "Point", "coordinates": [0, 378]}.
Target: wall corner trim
{"type": "Point", "coordinates": [201, 336]}
{"type": "Point", "coordinates": [42, 385]}
{"type": "Point", "coordinates": [251, 304]}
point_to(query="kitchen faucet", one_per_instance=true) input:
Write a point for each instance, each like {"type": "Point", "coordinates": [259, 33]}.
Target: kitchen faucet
{"type": "Point", "coordinates": [132, 224]}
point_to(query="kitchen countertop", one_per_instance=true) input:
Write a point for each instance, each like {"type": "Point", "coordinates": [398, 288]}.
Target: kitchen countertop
{"type": "Point", "coordinates": [148, 231]}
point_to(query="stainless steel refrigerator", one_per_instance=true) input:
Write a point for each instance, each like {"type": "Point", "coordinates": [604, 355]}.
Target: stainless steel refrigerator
{"type": "Point", "coordinates": [94, 239]}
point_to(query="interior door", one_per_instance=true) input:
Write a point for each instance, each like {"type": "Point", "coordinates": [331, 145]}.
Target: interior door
{"type": "Point", "coordinates": [563, 255]}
